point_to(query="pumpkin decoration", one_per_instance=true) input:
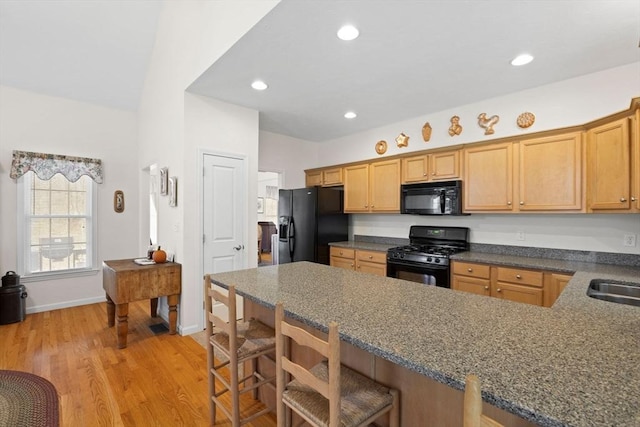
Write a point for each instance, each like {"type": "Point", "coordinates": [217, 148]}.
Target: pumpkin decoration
{"type": "Point", "coordinates": [159, 256]}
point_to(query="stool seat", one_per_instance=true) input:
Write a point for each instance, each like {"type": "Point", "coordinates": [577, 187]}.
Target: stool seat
{"type": "Point", "coordinates": [354, 389]}
{"type": "Point", "coordinates": [253, 337]}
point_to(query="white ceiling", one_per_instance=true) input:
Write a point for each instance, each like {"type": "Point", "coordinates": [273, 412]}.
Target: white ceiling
{"type": "Point", "coordinates": [412, 57]}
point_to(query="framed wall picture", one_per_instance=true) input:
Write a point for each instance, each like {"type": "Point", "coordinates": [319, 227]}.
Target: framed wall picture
{"type": "Point", "coordinates": [164, 176]}
{"type": "Point", "coordinates": [260, 204]}
{"type": "Point", "coordinates": [118, 201]}
{"type": "Point", "coordinates": [173, 191]}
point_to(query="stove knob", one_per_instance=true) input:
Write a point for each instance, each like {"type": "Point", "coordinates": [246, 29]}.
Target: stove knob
{"type": "Point", "coordinates": [429, 259]}
{"type": "Point", "coordinates": [401, 255]}
{"type": "Point", "coordinates": [437, 260]}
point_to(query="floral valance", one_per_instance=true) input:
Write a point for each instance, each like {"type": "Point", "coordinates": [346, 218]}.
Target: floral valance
{"type": "Point", "coordinates": [47, 165]}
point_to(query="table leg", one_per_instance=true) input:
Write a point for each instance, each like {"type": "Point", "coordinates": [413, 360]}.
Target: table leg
{"type": "Point", "coordinates": [154, 307]}
{"type": "Point", "coordinates": [172, 300]}
{"type": "Point", "coordinates": [122, 311]}
{"type": "Point", "coordinates": [111, 312]}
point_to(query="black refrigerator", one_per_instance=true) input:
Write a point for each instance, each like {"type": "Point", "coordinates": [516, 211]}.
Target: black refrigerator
{"type": "Point", "coordinates": [310, 219]}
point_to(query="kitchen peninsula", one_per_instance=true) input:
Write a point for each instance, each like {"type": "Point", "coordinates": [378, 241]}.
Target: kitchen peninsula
{"type": "Point", "coordinates": [574, 364]}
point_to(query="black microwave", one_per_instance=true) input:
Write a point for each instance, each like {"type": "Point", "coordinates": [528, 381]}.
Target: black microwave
{"type": "Point", "coordinates": [432, 198]}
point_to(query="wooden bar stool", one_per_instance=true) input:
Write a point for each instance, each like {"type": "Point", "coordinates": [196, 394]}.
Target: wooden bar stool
{"type": "Point", "coordinates": [328, 394]}
{"type": "Point", "coordinates": [473, 416]}
{"type": "Point", "coordinates": [239, 342]}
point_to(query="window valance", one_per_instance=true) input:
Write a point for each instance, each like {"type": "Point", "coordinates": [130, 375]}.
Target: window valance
{"type": "Point", "coordinates": [47, 165]}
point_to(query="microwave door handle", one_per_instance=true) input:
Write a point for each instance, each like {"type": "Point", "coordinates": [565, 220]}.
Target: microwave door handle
{"type": "Point", "coordinates": [443, 199]}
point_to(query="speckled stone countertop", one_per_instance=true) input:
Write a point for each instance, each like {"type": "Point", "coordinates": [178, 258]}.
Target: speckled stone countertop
{"type": "Point", "coordinates": [574, 364]}
{"type": "Point", "coordinates": [365, 246]}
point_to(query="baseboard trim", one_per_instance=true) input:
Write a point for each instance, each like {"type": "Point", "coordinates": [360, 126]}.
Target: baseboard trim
{"type": "Point", "coordinates": [65, 304]}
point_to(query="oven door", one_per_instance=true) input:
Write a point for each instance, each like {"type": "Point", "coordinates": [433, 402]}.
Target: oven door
{"type": "Point", "coordinates": [426, 274]}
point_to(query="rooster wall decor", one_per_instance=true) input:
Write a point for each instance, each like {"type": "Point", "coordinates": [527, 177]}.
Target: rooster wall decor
{"type": "Point", "coordinates": [487, 124]}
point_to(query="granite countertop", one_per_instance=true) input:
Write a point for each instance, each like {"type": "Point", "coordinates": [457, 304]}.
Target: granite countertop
{"type": "Point", "coordinates": [574, 364]}
{"type": "Point", "coordinates": [365, 246]}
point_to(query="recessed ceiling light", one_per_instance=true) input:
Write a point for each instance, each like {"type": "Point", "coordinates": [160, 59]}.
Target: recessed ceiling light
{"type": "Point", "coordinates": [259, 85]}
{"type": "Point", "coordinates": [523, 59]}
{"type": "Point", "coordinates": [350, 115]}
{"type": "Point", "coordinates": [348, 32]}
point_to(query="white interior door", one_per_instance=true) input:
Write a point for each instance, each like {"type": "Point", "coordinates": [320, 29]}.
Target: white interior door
{"type": "Point", "coordinates": [224, 218]}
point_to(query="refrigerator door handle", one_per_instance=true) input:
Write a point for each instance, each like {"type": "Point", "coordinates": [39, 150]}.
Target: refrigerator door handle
{"type": "Point", "coordinates": [292, 238]}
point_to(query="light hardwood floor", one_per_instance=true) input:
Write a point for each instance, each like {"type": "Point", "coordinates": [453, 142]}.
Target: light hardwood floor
{"type": "Point", "coordinates": [158, 380]}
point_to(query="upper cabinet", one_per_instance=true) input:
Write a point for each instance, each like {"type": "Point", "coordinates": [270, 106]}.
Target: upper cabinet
{"type": "Point", "coordinates": [612, 157]}
{"type": "Point", "coordinates": [373, 187]}
{"type": "Point", "coordinates": [550, 173]}
{"type": "Point", "coordinates": [488, 177]}
{"type": "Point", "coordinates": [328, 177]}
{"type": "Point", "coordinates": [438, 166]}
{"type": "Point", "coordinates": [538, 174]}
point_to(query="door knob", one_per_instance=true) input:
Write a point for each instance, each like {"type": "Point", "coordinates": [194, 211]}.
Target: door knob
{"type": "Point", "coordinates": [239, 247]}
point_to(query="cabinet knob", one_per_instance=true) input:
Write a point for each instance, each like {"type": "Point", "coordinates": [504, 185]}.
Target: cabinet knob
{"type": "Point", "coordinates": [372, 206]}
{"type": "Point", "coordinates": [351, 264]}
{"type": "Point", "coordinates": [469, 269]}
{"type": "Point", "coordinates": [358, 266]}
{"type": "Point", "coordinates": [370, 256]}
{"type": "Point", "coordinates": [486, 288]}
{"type": "Point", "coordinates": [498, 290]}
{"type": "Point", "coordinates": [633, 199]}
{"type": "Point", "coordinates": [518, 276]}
{"type": "Point", "coordinates": [509, 203]}
{"type": "Point", "coordinates": [366, 206]}
{"type": "Point", "coordinates": [433, 174]}
{"type": "Point", "coordinates": [424, 174]}
{"type": "Point", "coordinates": [521, 203]}
{"type": "Point", "coordinates": [622, 199]}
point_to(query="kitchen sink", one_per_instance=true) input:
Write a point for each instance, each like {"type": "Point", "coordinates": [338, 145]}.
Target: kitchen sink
{"type": "Point", "coordinates": [614, 291]}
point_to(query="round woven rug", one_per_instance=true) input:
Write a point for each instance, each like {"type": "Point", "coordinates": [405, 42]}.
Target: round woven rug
{"type": "Point", "coordinates": [27, 400]}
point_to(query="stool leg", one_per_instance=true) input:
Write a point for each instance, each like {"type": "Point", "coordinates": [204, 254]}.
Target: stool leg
{"type": "Point", "coordinates": [235, 398]}
{"type": "Point", "coordinates": [394, 414]}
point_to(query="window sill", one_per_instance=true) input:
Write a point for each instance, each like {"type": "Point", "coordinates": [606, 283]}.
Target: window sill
{"type": "Point", "coordinates": [57, 275]}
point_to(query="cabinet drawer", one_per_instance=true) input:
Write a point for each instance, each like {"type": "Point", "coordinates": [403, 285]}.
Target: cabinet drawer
{"type": "Point", "coordinates": [517, 275]}
{"type": "Point", "coordinates": [372, 256]}
{"type": "Point", "coordinates": [470, 269]}
{"type": "Point", "coordinates": [343, 252]}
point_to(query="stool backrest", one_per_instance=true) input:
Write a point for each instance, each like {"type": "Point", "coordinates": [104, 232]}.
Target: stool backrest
{"type": "Point", "coordinates": [473, 416]}
{"type": "Point", "coordinates": [214, 321]}
{"type": "Point", "coordinates": [329, 349]}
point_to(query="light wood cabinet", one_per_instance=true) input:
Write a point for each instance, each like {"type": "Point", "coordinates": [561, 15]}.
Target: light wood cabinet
{"type": "Point", "coordinates": [529, 286]}
{"type": "Point", "coordinates": [609, 167]}
{"type": "Point", "coordinates": [372, 262]}
{"type": "Point", "coordinates": [438, 166]}
{"type": "Point", "coordinates": [329, 177]}
{"type": "Point", "coordinates": [550, 175]}
{"type": "Point", "coordinates": [488, 178]}
{"type": "Point", "coordinates": [373, 187]}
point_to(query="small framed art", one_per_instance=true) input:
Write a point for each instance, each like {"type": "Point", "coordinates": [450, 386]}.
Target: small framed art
{"type": "Point", "coordinates": [173, 191]}
{"type": "Point", "coordinates": [164, 176]}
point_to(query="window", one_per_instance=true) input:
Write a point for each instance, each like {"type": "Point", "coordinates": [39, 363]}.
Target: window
{"type": "Point", "coordinates": [57, 225]}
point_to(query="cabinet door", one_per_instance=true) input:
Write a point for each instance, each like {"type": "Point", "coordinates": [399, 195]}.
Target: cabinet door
{"type": "Point", "coordinates": [553, 287]}
{"type": "Point", "coordinates": [488, 178]}
{"type": "Point", "coordinates": [635, 156]}
{"type": "Point", "coordinates": [356, 188]}
{"type": "Point", "coordinates": [372, 268]}
{"type": "Point", "coordinates": [347, 264]}
{"type": "Point", "coordinates": [551, 173]}
{"type": "Point", "coordinates": [384, 186]}
{"type": "Point", "coordinates": [415, 169]}
{"type": "Point", "coordinates": [313, 178]}
{"type": "Point", "coordinates": [332, 177]}
{"type": "Point", "coordinates": [518, 293]}
{"type": "Point", "coordinates": [609, 166]}
{"type": "Point", "coordinates": [444, 165]}
{"type": "Point", "coordinates": [471, 284]}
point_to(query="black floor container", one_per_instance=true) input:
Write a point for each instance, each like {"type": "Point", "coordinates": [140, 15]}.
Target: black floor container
{"type": "Point", "coordinates": [13, 299]}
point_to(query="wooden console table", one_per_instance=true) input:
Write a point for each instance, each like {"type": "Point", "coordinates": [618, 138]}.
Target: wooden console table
{"type": "Point", "coordinates": [125, 281]}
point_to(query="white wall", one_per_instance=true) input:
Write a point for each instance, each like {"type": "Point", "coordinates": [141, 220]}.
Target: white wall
{"type": "Point", "coordinates": [33, 122]}
{"type": "Point", "coordinates": [191, 36]}
{"type": "Point", "coordinates": [288, 155]}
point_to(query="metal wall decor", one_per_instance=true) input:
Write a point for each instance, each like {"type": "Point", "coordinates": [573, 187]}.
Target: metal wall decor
{"type": "Point", "coordinates": [426, 132]}
{"type": "Point", "coordinates": [525, 120]}
{"type": "Point", "coordinates": [164, 181]}
{"type": "Point", "coordinates": [402, 140]}
{"type": "Point", "coordinates": [381, 147]}
{"type": "Point", "coordinates": [173, 191]}
{"type": "Point", "coordinates": [487, 123]}
{"type": "Point", "coordinates": [455, 128]}
{"type": "Point", "coordinates": [118, 201]}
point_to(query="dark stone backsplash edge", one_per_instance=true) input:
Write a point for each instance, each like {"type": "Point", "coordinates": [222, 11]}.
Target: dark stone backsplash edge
{"type": "Point", "coordinates": [630, 260]}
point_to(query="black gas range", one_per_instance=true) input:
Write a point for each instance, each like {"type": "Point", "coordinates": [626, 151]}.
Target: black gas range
{"type": "Point", "coordinates": [426, 258]}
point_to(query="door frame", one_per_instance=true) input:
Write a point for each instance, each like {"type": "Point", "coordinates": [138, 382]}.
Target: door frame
{"type": "Point", "coordinates": [202, 152]}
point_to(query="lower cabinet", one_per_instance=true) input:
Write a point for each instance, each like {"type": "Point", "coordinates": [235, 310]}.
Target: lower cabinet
{"type": "Point", "coordinates": [536, 287]}
{"type": "Point", "coordinates": [372, 262]}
